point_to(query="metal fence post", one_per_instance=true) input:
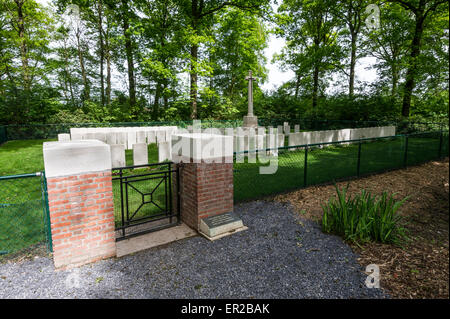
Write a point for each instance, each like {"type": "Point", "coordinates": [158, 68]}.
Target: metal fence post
{"type": "Point", "coordinates": [46, 211]}
{"type": "Point", "coordinates": [405, 158]}
{"type": "Point", "coordinates": [305, 168]}
{"type": "Point", "coordinates": [358, 166]}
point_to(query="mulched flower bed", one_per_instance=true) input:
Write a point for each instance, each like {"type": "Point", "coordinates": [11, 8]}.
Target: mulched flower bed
{"type": "Point", "coordinates": [419, 269]}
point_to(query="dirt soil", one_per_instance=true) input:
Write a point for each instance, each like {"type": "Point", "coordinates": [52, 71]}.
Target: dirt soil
{"type": "Point", "coordinates": [419, 269]}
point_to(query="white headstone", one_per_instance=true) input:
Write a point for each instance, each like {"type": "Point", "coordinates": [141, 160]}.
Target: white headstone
{"type": "Point", "coordinates": [164, 151]}
{"type": "Point", "coordinates": [63, 137]}
{"type": "Point", "coordinates": [111, 138]}
{"type": "Point", "coordinates": [151, 137]}
{"type": "Point", "coordinates": [296, 128]}
{"type": "Point", "coordinates": [118, 155]}
{"type": "Point", "coordinates": [131, 139]}
{"type": "Point", "coordinates": [140, 154]}
{"type": "Point", "coordinates": [141, 137]}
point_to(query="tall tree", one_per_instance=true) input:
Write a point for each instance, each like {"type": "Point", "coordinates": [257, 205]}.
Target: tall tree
{"type": "Point", "coordinates": [351, 14]}
{"type": "Point", "coordinates": [310, 29]}
{"type": "Point", "coordinates": [422, 10]}
{"type": "Point", "coordinates": [199, 13]}
{"type": "Point", "coordinates": [389, 45]}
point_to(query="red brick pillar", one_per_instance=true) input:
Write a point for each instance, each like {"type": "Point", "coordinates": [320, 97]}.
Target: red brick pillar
{"type": "Point", "coordinates": [81, 201]}
{"type": "Point", "coordinates": [206, 189]}
{"type": "Point", "coordinates": [206, 175]}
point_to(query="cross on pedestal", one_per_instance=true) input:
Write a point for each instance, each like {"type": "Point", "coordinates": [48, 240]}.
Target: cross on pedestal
{"type": "Point", "coordinates": [250, 120]}
{"type": "Point", "coordinates": [250, 79]}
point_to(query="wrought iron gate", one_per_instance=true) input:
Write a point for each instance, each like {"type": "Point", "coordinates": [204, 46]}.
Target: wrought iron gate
{"type": "Point", "coordinates": [144, 198]}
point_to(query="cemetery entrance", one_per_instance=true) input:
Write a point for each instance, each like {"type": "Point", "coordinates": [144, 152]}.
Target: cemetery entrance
{"type": "Point", "coordinates": [144, 198]}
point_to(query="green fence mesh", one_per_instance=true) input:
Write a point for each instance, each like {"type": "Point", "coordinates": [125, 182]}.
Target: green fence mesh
{"type": "Point", "coordinates": [301, 166]}
{"type": "Point", "coordinates": [23, 213]}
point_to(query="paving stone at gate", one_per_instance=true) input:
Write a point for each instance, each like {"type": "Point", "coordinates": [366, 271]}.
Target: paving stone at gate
{"type": "Point", "coordinates": [296, 128]}
{"type": "Point", "coordinates": [164, 151]}
{"type": "Point", "coordinates": [131, 139]}
{"type": "Point", "coordinates": [118, 155]}
{"type": "Point", "coordinates": [63, 137]}
{"type": "Point", "coordinates": [140, 154]}
{"type": "Point", "coordinates": [141, 137]}
{"type": "Point", "coordinates": [111, 138]}
{"type": "Point", "coordinates": [151, 137]}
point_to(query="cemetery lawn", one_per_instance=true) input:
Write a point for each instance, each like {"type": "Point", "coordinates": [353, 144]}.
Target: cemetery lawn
{"type": "Point", "coordinates": [419, 269]}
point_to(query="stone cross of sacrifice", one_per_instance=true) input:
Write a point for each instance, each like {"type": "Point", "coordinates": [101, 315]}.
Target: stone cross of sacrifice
{"type": "Point", "coordinates": [250, 79]}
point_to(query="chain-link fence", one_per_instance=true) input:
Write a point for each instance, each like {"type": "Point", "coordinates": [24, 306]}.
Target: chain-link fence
{"type": "Point", "coordinates": [24, 218]}
{"type": "Point", "coordinates": [304, 165]}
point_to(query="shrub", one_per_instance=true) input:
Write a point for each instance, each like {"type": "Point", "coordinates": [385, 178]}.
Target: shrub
{"type": "Point", "coordinates": [364, 217]}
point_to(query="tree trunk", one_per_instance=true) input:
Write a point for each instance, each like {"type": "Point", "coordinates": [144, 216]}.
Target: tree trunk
{"type": "Point", "coordinates": [351, 84]}
{"type": "Point", "coordinates": [194, 58]}
{"type": "Point", "coordinates": [86, 89]}
{"type": "Point", "coordinates": [297, 85]}
{"type": "Point", "coordinates": [129, 54]}
{"type": "Point", "coordinates": [23, 45]}
{"type": "Point", "coordinates": [194, 81]}
{"type": "Point", "coordinates": [315, 86]}
{"type": "Point", "coordinates": [102, 53]}
{"type": "Point", "coordinates": [156, 103]}
{"type": "Point", "coordinates": [394, 81]}
{"type": "Point", "coordinates": [108, 66]}
{"type": "Point", "coordinates": [412, 68]}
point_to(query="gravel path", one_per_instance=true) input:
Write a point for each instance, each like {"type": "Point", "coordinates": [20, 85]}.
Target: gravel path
{"type": "Point", "coordinates": [279, 256]}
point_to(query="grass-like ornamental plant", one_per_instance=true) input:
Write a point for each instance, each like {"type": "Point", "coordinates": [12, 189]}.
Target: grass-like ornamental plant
{"type": "Point", "coordinates": [364, 217]}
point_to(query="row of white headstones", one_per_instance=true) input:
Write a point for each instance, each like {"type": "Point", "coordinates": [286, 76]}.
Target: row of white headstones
{"type": "Point", "coordinates": [244, 139]}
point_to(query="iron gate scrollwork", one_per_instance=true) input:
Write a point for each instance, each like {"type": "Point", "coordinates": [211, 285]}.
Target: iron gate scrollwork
{"type": "Point", "coordinates": [143, 198]}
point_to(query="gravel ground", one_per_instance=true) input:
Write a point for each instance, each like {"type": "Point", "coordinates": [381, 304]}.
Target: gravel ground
{"type": "Point", "coordinates": [279, 256]}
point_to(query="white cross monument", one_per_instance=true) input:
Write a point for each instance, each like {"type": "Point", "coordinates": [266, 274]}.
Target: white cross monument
{"type": "Point", "coordinates": [250, 120]}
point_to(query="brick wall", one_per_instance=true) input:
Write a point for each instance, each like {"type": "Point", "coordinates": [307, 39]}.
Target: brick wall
{"type": "Point", "coordinates": [82, 218]}
{"type": "Point", "coordinates": [206, 190]}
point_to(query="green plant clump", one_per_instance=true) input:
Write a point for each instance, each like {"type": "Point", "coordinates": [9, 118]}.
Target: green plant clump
{"type": "Point", "coordinates": [363, 217]}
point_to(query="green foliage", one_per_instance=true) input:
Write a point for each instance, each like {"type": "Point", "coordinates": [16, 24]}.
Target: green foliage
{"type": "Point", "coordinates": [68, 116]}
{"type": "Point", "coordinates": [363, 217]}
